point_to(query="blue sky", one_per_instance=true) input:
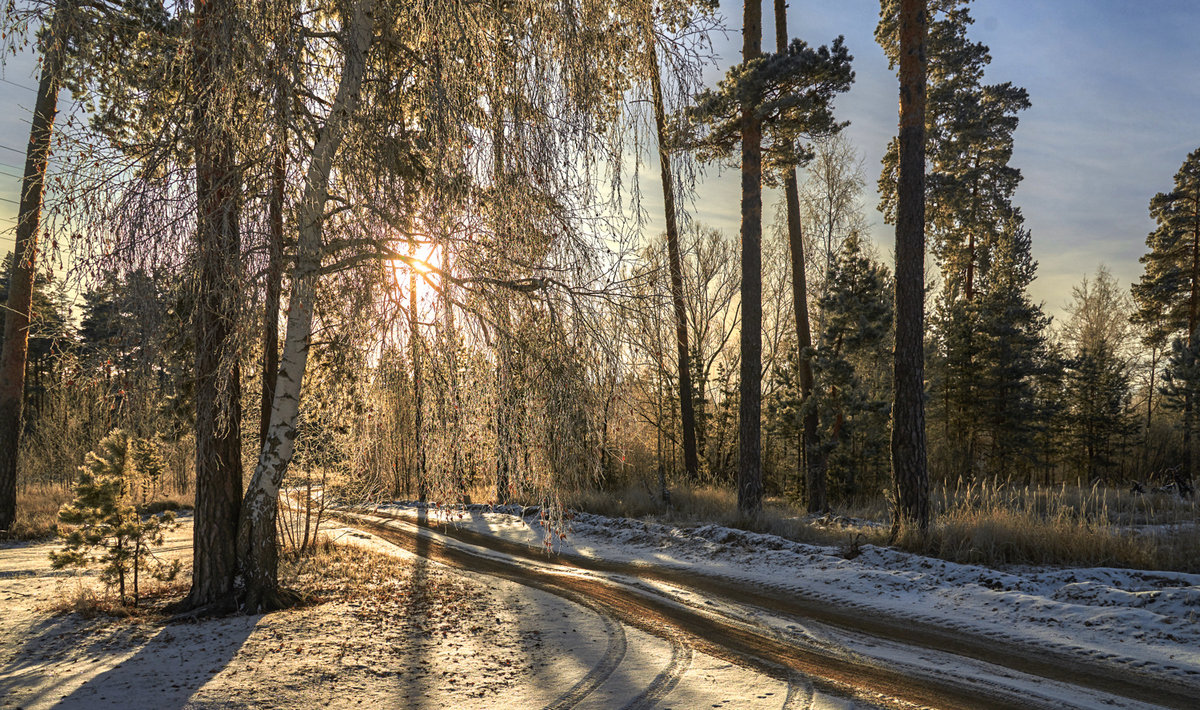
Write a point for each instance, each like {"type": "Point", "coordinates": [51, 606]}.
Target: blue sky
{"type": "Point", "coordinates": [1115, 86]}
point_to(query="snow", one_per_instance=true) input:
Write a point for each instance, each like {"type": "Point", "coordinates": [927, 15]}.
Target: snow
{"type": "Point", "coordinates": [539, 647]}
{"type": "Point", "coordinates": [536, 648]}
{"type": "Point", "coordinates": [1137, 620]}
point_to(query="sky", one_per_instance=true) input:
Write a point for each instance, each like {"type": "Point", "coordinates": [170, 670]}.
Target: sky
{"type": "Point", "coordinates": [1115, 88]}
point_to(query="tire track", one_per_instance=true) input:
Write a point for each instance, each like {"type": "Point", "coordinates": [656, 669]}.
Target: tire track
{"type": "Point", "coordinates": [1058, 665]}
{"type": "Point", "coordinates": [799, 693]}
{"type": "Point", "coordinates": [703, 632]}
{"type": "Point", "coordinates": [665, 682]}
{"type": "Point", "coordinates": [614, 653]}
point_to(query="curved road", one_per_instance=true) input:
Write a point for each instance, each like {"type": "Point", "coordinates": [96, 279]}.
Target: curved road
{"type": "Point", "coordinates": [597, 585]}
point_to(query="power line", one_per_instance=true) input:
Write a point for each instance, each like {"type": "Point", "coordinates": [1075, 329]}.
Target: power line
{"type": "Point", "coordinates": [12, 149]}
{"type": "Point", "coordinates": [21, 86]}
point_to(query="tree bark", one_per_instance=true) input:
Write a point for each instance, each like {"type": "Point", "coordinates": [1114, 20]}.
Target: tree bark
{"type": "Point", "coordinates": [750, 485]}
{"type": "Point", "coordinates": [811, 462]}
{"type": "Point", "coordinates": [908, 409]}
{"type": "Point", "coordinates": [24, 264]}
{"type": "Point", "coordinates": [505, 403]}
{"type": "Point", "coordinates": [218, 381]}
{"type": "Point", "coordinates": [414, 347]}
{"type": "Point", "coordinates": [1189, 434]}
{"type": "Point", "coordinates": [274, 289]}
{"type": "Point", "coordinates": [687, 415]}
{"type": "Point", "coordinates": [258, 553]}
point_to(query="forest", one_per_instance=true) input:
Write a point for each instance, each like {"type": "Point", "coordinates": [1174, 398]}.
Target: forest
{"type": "Point", "coordinates": [281, 264]}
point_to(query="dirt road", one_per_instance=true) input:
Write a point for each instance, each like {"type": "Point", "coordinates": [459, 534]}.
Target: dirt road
{"type": "Point", "coordinates": [944, 670]}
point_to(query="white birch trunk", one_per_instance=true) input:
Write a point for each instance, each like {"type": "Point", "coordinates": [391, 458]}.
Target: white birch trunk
{"type": "Point", "coordinates": [257, 551]}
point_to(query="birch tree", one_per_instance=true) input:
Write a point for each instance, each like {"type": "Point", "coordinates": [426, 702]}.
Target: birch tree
{"type": "Point", "coordinates": [257, 550]}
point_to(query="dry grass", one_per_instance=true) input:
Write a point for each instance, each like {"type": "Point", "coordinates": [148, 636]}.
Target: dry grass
{"type": "Point", "coordinates": [38, 504]}
{"type": "Point", "coordinates": [710, 505]}
{"type": "Point", "coordinates": [37, 511]}
{"type": "Point", "coordinates": [981, 523]}
{"type": "Point", "coordinates": [89, 599]}
{"type": "Point", "coordinates": [992, 524]}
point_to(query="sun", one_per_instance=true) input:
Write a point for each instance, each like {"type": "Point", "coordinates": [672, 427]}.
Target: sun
{"type": "Point", "coordinates": [422, 260]}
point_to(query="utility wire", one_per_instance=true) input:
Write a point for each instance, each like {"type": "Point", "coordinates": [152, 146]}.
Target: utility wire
{"type": "Point", "coordinates": [21, 86]}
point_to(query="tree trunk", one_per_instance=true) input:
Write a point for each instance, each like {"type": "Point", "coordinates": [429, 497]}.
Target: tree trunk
{"type": "Point", "coordinates": [908, 410]}
{"type": "Point", "coordinates": [687, 415]}
{"type": "Point", "coordinates": [1144, 466]}
{"type": "Point", "coordinates": [258, 553]}
{"type": "Point", "coordinates": [414, 347]}
{"type": "Point", "coordinates": [750, 485]}
{"type": "Point", "coordinates": [1189, 433]}
{"type": "Point", "coordinates": [274, 289]}
{"type": "Point", "coordinates": [218, 381]}
{"type": "Point", "coordinates": [809, 452]}
{"type": "Point", "coordinates": [24, 264]}
{"type": "Point", "coordinates": [505, 404]}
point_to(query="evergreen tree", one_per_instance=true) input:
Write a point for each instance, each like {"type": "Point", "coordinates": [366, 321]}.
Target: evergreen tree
{"type": "Point", "coordinates": [1168, 294]}
{"type": "Point", "coordinates": [1097, 399]}
{"type": "Point", "coordinates": [104, 526]}
{"type": "Point", "coordinates": [909, 461]}
{"type": "Point", "coordinates": [1011, 332]}
{"type": "Point", "coordinates": [51, 334]}
{"type": "Point", "coordinates": [987, 332]}
{"type": "Point", "coordinates": [785, 96]}
{"type": "Point", "coordinates": [18, 307]}
{"type": "Point", "coordinates": [1181, 381]}
{"type": "Point", "coordinates": [853, 399]}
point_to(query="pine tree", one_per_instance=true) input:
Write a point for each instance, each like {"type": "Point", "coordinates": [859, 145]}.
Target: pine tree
{"type": "Point", "coordinates": [785, 96]}
{"type": "Point", "coordinates": [1097, 396]}
{"type": "Point", "coordinates": [909, 466]}
{"type": "Point", "coordinates": [853, 400]}
{"type": "Point", "coordinates": [676, 14]}
{"type": "Point", "coordinates": [104, 525]}
{"type": "Point", "coordinates": [18, 308]}
{"type": "Point", "coordinates": [1011, 334]}
{"type": "Point", "coordinates": [986, 328]}
{"type": "Point", "coordinates": [1168, 294]}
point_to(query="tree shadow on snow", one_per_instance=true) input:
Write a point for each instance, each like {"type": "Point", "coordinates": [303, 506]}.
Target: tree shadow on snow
{"type": "Point", "coordinates": [159, 667]}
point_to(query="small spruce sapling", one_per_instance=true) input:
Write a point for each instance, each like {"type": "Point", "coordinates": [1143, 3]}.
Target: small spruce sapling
{"type": "Point", "coordinates": [102, 524]}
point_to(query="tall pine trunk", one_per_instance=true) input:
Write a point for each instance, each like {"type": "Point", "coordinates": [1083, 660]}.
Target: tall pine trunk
{"type": "Point", "coordinates": [24, 264]}
{"type": "Point", "coordinates": [258, 553]}
{"type": "Point", "coordinates": [1189, 401]}
{"type": "Point", "coordinates": [218, 381]}
{"type": "Point", "coordinates": [908, 409]}
{"type": "Point", "coordinates": [811, 462]}
{"type": "Point", "coordinates": [750, 485]}
{"type": "Point", "coordinates": [687, 415]}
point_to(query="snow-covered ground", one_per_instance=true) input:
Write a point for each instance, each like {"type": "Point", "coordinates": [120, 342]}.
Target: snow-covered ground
{"type": "Point", "coordinates": [483, 643]}
{"type": "Point", "coordinates": [1140, 621]}
{"type": "Point", "coordinates": [506, 644]}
